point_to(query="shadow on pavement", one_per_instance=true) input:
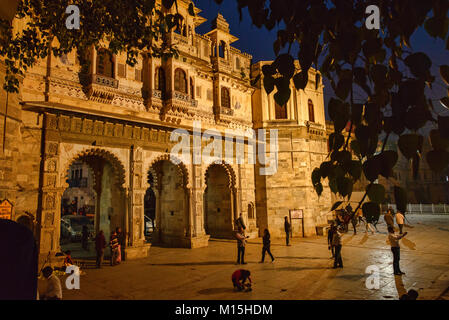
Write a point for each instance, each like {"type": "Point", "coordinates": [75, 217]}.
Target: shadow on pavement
{"type": "Point", "coordinates": [215, 291]}
{"type": "Point", "coordinates": [303, 258]}
{"type": "Point", "coordinates": [400, 285]}
{"type": "Point", "coordinates": [409, 244]}
{"type": "Point", "coordinates": [182, 264]}
{"type": "Point", "coordinates": [300, 268]}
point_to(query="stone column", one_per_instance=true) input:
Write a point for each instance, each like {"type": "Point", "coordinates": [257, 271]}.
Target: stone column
{"type": "Point", "coordinates": [50, 192]}
{"type": "Point", "coordinates": [137, 248]}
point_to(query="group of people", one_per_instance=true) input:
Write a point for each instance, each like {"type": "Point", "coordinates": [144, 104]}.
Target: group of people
{"type": "Point", "coordinates": [116, 243]}
{"type": "Point", "coordinates": [336, 231]}
{"type": "Point", "coordinates": [266, 248]}
{"type": "Point", "coordinates": [240, 276]}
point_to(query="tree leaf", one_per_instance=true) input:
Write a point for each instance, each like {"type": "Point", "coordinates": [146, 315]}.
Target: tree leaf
{"type": "Point", "coordinates": [300, 80]}
{"type": "Point", "coordinates": [371, 168]}
{"type": "Point", "coordinates": [409, 144]}
{"type": "Point", "coordinates": [316, 176]}
{"type": "Point", "coordinates": [400, 196]}
{"type": "Point", "coordinates": [438, 160]}
{"type": "Point", "coordinates": [419, 64]}
{"type": "Point", "coordinates": [268, 83]}
{"type": "Point", "coordinates": [376, 193]}
{"type": "Point", "coordinates": [371, 211]}
{"type": "Point", "coordinates": [438, 142]}
{"type": "Point", "coordinates": [345, 186]}
{"type": "Point", "coordinates": [336, 205]}
{"type": "Point", "coordinates": [336, 141]}
{"type": "Point", "coordinates": [285, 65]}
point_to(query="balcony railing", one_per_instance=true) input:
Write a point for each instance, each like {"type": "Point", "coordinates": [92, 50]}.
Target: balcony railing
{"type": "Point", "coordinates": [226, 111]}
{"type": "Point", "coordinates": [104, 81]}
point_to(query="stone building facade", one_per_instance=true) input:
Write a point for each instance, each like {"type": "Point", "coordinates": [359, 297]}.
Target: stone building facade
{"type": "Point", "coordinates": [302, 146]}
{"type": "Point", "coordinates": [119, 121]}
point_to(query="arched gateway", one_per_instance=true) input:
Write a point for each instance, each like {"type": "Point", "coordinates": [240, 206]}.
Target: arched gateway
{"type": "Point", "coordinates": [219, 201]}
{"type": "Point", "coordinates": [95, 198]}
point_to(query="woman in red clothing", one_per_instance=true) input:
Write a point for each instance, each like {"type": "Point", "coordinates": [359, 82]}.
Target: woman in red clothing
{"type": "Point", "coordinates": [239, 278]}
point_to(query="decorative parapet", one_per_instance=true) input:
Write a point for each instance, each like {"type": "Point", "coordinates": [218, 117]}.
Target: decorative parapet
{"type": "Point", "coordinates": [315, 128]}
{"type": "Point", "coordinates": [101, 88]}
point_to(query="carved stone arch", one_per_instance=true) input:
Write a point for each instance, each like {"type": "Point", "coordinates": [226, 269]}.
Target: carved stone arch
{"type": "Point", "coordinates": [112, 159]}
{"type": "Point", "coordinates": [229, 172]}
{"type": "Point", "coordinates": [180, 166]}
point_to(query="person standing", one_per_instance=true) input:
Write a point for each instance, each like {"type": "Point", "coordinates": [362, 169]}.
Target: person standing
{"type": "Point", "coordinates": [239, 222]}
{"type": "Point", "coordinates": [266, 245]}
{"type": "Point", "coordinates": [368, 225]}
{"type": "Point", "coordinates": [389, 219]}
{"type": "Point", "coordinates": [330, 236]}
{"type": "Point", "coordinates": [113, 243]}
{"type": "Point", "coordinates": [336, 242]}
{"type": "Point", "coordinates": [121, 242]}
{"type": "Point", "coordinates": [395, 248]}
{"type": "Point", "coordinates": [241, 242]}
{"type": "Point", "coordinates": [100, 245]}
{"type": "Point", "coordinates": [360, 215]}
{"type": "Point", "coordinates": [400, 221]}
{"type": "Point", "coordinates": [354, 223]}
{"type": "Point", "coordinates": [53, 290]}
{"type": "Point", "coordinates": [288, 230]}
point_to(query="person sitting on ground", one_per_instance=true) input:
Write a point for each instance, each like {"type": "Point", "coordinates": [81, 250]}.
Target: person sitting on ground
{"type": "Point", "coordinates": [410, 295]}
{"type": "Point", "coordinates": [239, 278]}
{"type": "Point", "coordinates": [53, 289]}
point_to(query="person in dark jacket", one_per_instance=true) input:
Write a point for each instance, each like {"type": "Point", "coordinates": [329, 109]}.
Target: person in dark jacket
{"type": "Point", "coordinates": [288, 229]}
{"type": "Point", "coordinates": [266, 246]}
{"type": "Point", "coordinates": [18, 262]}
{"type": "Point", "coordinates": [240, 223]}
{"type": "Point", "coordinates": [100, 245]}
{"type": "Point", "coordinates": [330, 236]}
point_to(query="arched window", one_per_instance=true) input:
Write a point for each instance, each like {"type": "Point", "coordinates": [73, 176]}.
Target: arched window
{"type": "Point", "coordinates": [192, 89]}
{"type": "Point", "coordinates": [222, 49]}
{"type": "Point", "coordinates": [159, 80]}
{"type": "Point", "coordinates": [250, 210]}
{"type": "Point", "coordinates": [225, 98]}
{"type": "Point", "coordinates": [311, 111]}
{"type": "Point", "coordinates": [237, 63]}
{"type": "Point", "coordinates": [280, 111]}
{"type": "Point", "coordinates": [180, 81]}
{"type": "Point", "coordinates": [105, 63]}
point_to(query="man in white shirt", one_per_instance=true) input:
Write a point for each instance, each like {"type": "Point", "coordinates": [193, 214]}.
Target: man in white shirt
{"type": "Point", "coordinates": [400, 221]}
{"type": "Point", "coordinates": [394, 242]}
{"type": "Point", "coordinates": [53, 290]}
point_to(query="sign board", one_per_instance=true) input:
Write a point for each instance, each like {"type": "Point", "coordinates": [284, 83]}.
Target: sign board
{"type": "Point", "coordinates": [296, 214]}
{"type": "Point", "coordinates": [5, 210]}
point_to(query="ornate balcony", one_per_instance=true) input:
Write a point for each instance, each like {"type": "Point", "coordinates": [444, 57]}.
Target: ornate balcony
{"type": "Point", "coordinates": [100, 88]}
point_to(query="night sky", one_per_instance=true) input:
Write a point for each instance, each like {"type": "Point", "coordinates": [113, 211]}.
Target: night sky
{"type": "Point", "coordinates": [259, 43]}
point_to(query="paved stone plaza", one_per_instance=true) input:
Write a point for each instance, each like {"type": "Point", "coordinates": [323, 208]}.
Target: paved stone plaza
{"type": "Point", "coordinates": [301, 271]}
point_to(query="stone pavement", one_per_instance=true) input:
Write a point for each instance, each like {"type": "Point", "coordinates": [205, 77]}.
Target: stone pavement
{"type": "Point", "coordinates": [301, 271]}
